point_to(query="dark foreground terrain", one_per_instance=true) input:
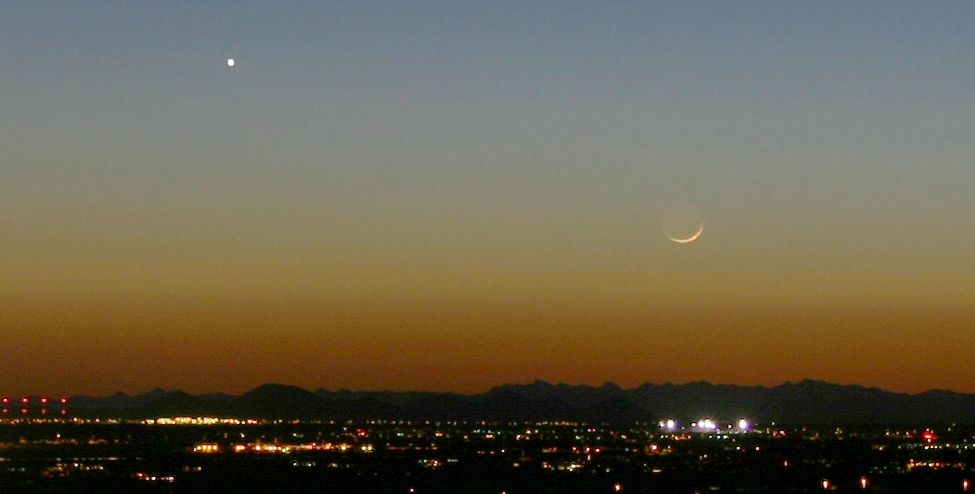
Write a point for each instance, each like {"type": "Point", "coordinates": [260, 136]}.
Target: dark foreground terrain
{"type": "Point", "coordinates": [76, 456]}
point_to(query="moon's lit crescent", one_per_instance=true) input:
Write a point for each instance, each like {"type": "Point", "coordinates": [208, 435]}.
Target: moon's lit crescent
{"type": "Point", "coordinates": [687, 240]}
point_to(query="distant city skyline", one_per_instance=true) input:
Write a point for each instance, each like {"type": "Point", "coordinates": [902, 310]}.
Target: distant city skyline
{"type": "Point", "coordinates": [451, 195]}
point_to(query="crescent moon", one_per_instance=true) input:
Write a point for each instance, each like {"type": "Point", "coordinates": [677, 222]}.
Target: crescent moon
{"type": "Point", "coordinates": [687, 240]}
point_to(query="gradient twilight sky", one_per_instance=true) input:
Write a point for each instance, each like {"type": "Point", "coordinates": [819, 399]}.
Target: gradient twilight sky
{"type": "Point", "coordinates": [453, 195]}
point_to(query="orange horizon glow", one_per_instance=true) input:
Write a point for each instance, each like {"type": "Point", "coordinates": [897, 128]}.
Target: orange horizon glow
{"type": "Point", "coordinates": [233, 346]}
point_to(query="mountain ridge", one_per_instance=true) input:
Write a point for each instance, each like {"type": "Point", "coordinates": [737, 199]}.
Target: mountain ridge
{"type": "Point", "coordinates": [807, 401]}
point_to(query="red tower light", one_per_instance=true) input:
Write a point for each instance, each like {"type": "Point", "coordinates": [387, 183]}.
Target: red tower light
{"type": "Point", "coordinates": [5, 399]}
{"type": "Point", "coordinates": [23, 411]}
{"type": "Point", "coordinates": [63, 400]}
{"type": "Point", "coordinates": [64, 412]}
{"type": "Point", "coordinates": [6, 410]}
{"type": "Point", "coordinates": [25, 400]}
{"type": "Point", "coordinates": [44, 400]}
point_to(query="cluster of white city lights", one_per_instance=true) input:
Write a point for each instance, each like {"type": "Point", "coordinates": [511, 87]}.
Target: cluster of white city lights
{"type": "Point", "coordinates": [705, 425]}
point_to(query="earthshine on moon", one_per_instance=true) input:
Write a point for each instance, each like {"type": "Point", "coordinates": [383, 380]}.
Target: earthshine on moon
{"type": "Point", "coordinates": [682, 223]}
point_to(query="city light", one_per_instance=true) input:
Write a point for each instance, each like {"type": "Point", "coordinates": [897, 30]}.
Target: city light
{"type": "Point", "coordinates": [206, 448]}
{"type": "Point", "coordinates": [706, 424]}
{"type": "Point", "coordinates": [197, 421]}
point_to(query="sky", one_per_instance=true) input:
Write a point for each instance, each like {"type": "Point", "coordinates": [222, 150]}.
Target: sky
{"type": "Point", "coordinates": [454, 195]}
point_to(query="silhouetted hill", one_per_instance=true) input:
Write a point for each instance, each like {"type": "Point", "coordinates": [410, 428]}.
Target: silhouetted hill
{"type": "Point", "coordinates": [805, 402]}
{"type": "Point", "coordinates": [278, 401]}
